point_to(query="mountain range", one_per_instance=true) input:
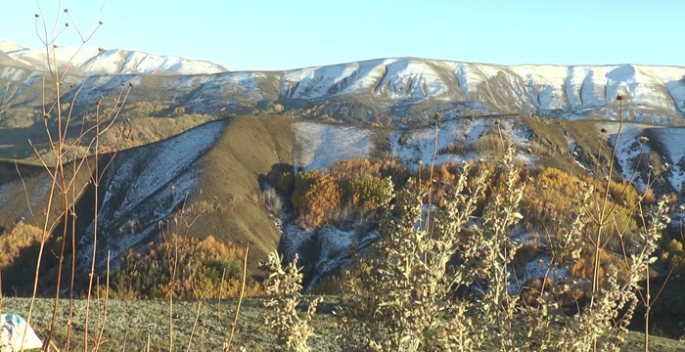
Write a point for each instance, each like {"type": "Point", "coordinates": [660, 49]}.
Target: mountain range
{"type": "Point", "coordinates": [386, 91]}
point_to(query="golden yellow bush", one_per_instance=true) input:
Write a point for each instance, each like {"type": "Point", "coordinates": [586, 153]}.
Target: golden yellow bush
{"type": "Point", "coordinates": [20, 237]}
{"type": "Point", "coordinates": [203, 269]}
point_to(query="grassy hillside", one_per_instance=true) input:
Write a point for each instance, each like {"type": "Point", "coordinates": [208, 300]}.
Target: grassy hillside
{"type": "Point", "coordinates": [230, 193]}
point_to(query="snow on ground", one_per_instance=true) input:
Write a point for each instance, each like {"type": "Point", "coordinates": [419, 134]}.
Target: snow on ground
{"type": "Point", "coordinates": [411, 78]}
{"type": "Point", "coordinates": [169, 159]}
{"type": "Point", "coordinates": [319, 146]}
{"type": "Point", "coordinates": [629, 151]}
{"type": "Point", "coordinates": [145, 185]}
{"type": "Point", "coordinates": [673, 140]}
{"type": "Point", "coordinates": [538, 268]}
{"type": "Point", "coordinates": [655, 93]}
{"type": "Point", "coordinates": [330, 243]}
{"type": "Point", "coordinates": [417, 145]}
{"type": "Point", "coordinates": [321, 81]}
{"type": "Point", "coordinates": [567, 91]}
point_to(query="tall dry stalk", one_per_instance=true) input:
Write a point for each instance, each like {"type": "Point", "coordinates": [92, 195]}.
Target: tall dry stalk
{"type": "Point", "coordinates": [67, 161]}
{"type": "Point", "coordinates": [240, 302]}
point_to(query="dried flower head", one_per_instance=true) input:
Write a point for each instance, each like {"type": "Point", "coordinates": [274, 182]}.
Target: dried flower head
{"type": "Point", "coordinates": [37, 15]}
{"type": "Point", "coordinates": [644, 139]}
{"type": "Point", "coordinates": [603, 130]}
{"type": "Point", "coordinates": [620, 97]}
{"type": "Point", "coordinates": [66, 10]}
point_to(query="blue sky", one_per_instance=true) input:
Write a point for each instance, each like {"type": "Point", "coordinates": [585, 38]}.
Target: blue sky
{"type": "Point", "coordinates": [285, 34]}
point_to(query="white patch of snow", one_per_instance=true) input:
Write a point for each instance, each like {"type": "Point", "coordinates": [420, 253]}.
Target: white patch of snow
{"type": "Point", "coordinates": [319, 146]}
{"type": "Point", "coordinates": [629, 151]}
{"type": "Point", "coordinates": [672, 139]}
{"type": "Point", "coordinates": [538, 268]}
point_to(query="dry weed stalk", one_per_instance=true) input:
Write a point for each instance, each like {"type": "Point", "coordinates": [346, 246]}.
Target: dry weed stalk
{"type": "Point", "coordinates": [284, 285]}
{"type": "Point", "coordinates": [67, 160]}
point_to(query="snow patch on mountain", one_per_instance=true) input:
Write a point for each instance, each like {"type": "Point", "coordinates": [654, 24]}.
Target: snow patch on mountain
{"type": "Point", "coordinates": [672, 140]}
{"type": "Point", "coordinates": [319, 146]}
{"type": "Point", "coordinates": [411, 79]}
{"type": "Point", "coordinates": [630, 152]}
{"type": "Point", "coordinates": [221, 90]}
{"type": "Point", "coordinates": [417, 145]}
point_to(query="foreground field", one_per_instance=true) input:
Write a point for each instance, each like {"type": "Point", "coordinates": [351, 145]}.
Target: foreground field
{"type": "Point", "coordinates": [129, 326]}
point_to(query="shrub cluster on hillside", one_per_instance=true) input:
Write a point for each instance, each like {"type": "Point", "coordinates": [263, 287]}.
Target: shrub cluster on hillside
{"type": "Point", "coordinates": [187, 267]}
{"type": "Point", "coordinates": [349, 190]}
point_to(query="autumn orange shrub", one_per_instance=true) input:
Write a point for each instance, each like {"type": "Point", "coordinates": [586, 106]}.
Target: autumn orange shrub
{"type": "Point", "coordinates": [20, 237]}
{"type": "Point", "coordinates": [188, 267]}
{"type": "Point", "coordinates": [356, 168]}
{"type": "Point", "coordinates": [316, 197]}
{"type": "Point", "coordinates": [350, 189]}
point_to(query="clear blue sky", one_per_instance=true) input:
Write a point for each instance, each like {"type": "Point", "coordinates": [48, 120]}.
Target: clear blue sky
{"type": "Point", "coordinates": [285, 34]}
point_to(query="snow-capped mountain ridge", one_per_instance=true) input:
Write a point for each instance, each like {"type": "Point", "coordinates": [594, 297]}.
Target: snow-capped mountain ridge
{"type": "Point", "coordinates": [387, 90]}
{"type": "Point", "coordinates": [90, 60]}
{"type": "Point", "coordinates": [537, 89]}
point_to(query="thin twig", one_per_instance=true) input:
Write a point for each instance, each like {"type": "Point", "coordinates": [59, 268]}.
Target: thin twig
{"type": "Point", "coordinates": [240, 302]}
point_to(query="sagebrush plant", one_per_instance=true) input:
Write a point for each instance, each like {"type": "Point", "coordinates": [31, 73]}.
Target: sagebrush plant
{"type": "Point", "coordinates": [284, 285]}
{"type": "Point", "coordinates": [444, 285]}
{"type": "Point", "coordinates": [403, 294]}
